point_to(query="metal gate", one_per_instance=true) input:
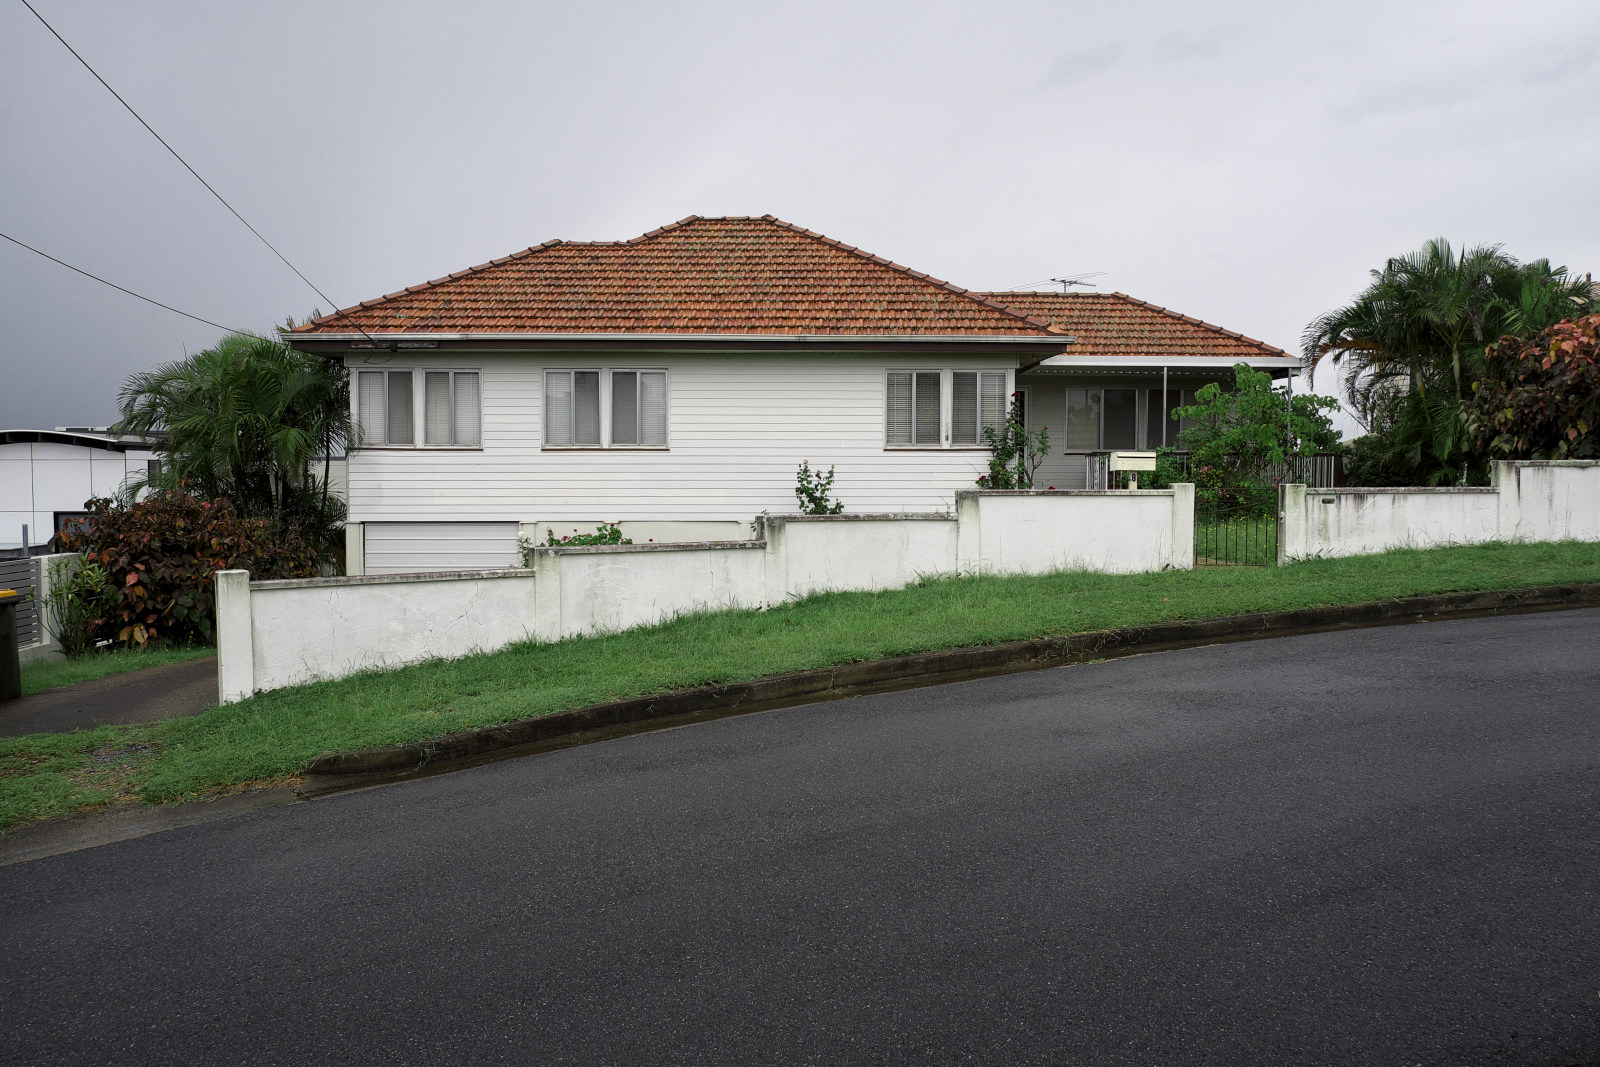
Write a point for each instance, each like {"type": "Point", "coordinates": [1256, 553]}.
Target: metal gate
{"type": "Point", "coordinates": [1236, 528]}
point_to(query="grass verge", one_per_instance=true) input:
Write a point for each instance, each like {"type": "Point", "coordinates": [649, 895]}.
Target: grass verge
{"type": "Point", "coordinates": [274, 736]}
{"type": "Point", "coordinates": [39, 676]}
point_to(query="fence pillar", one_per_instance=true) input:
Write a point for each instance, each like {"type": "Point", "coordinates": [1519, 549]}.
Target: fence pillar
{"type": "Point", "coordinates": [774, 532]}
{"type": "Point", "coordinates": [969, 533]}
{"type": "Point", "coordinates": [1182, 526]}
{"type": "Point", "coordinates": [548, 625]}
{"type": "Point", "coordinates": [1292, 533]}
{"type": "Point", "coordinates": [1508, 516]}
{"type": "Point", "coordinates": [236, 653]}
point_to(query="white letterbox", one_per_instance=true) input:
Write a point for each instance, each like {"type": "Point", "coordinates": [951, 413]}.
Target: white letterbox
{"type": "Point", "coordinates": [1133, 461]}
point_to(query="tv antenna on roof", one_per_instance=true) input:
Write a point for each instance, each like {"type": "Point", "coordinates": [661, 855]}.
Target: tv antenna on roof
{"type": "Point", "coordinates": [1078, 279]}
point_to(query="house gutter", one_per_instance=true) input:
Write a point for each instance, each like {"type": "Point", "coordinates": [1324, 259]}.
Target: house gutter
{"type": "Point", "coordinates": [330, 344]}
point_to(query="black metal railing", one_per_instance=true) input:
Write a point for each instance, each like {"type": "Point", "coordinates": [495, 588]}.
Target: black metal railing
{"type": "Point", "coordinates": [1236, 528]}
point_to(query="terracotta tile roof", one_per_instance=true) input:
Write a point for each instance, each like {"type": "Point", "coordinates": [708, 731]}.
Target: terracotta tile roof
{"type": "Point", "coordinates": [1115, 324]}
{"type": "Point", "coordinates": [696, 276]}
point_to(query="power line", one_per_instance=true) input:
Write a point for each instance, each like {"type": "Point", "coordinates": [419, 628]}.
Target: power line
{"type": "Point", "coordinates": [117, 287]}
{"type": "Point", "coordinates": [185, 163]}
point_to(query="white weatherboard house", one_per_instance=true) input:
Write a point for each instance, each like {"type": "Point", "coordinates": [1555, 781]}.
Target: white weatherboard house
{"type": "Point", "coordinates": [674, 382]}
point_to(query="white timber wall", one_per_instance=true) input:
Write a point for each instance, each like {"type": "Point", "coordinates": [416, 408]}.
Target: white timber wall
{"type": "Point", "coordinates": [738, 427]}
{"type": "Point", "coordinates": [1529, 501]}
{"type": "Point", "coordinates": [277, 633]}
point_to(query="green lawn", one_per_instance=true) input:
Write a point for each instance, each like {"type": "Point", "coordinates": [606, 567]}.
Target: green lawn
{"type": "Point", "coordinates": [41, 675]}
{"type": "Point", "coordinates": [274, 736]}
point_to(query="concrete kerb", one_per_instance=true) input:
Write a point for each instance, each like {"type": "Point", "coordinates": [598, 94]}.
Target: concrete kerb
{"type": "Point", "coordinates": [338, 772]}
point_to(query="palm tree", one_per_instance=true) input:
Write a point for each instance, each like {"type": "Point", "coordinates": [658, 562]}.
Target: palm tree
{"type": "Point", "coordinates": [244, 420]}
{"type": "Point", "coordinates": [1412, 342]}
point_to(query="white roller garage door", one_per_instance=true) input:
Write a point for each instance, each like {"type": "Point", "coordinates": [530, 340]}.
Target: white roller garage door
{"type": "Point", "coordinates": [408, 547]}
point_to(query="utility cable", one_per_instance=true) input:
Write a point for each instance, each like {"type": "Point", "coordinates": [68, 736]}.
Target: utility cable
{"type": "Point", "coordinates": [119, 288]}
{"type": "Point", "coordinates": [186, 167]}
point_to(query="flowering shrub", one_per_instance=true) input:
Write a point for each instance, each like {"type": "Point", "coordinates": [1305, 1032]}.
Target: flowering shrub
{"type": "Point", "coordinates": [158, 558]}
{"type": "Point", "coordinates": [607, 533]}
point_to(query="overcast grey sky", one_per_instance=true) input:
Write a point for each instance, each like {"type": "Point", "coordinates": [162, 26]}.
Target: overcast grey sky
{"type": "Point", "coordinates": [1243, 162]}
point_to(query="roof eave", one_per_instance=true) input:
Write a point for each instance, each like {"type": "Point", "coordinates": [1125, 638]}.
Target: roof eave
{"type": "Point", "coordinates": [339, 343]}
{"type": "Point", "coordinates": [1070, 362]}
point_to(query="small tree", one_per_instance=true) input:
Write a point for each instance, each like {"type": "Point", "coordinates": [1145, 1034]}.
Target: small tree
{"type": "Point", "coordinates": [1540, 398]}
{"type": "Point", "coordinates": [814, 490]}
{"type": "Point", "coordinates": [1237, 439]}
{"type": "Point", "coordinates": [1015, 453]}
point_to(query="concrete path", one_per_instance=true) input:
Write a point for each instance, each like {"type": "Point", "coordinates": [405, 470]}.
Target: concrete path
{"type": "Point", "coordinates": [146, 695]}
{"type": "Point", "coordinates": [1368, 847]}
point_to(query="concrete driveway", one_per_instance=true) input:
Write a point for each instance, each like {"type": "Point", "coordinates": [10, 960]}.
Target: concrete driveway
{"type": "Point", "coordinates": [149, 694]}
{"type": "Point", "coordinates": [1370, 847]}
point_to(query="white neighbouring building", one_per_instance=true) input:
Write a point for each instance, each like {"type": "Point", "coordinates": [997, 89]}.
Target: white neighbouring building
{"type": "Point", "coordinates": [46, 476]}
{"type": "Point", "coordinates": [675, 382]}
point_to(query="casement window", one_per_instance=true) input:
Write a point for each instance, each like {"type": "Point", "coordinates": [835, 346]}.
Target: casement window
{"type": "Point", "coordinates": [572, 408]}
{"type": "Point", "coordinates": [451, 411]}
{"type": "Point", "coordinates": [451, 414]}
{"type": "Point", "coordinates": [977, 401]}
{"type": "Point", "coordinates": [913, 414]}
{"type": "Point", "coordinates": [639, 408]}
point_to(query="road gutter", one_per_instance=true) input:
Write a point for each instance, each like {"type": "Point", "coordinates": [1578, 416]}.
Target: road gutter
{"type": "Point", "coordinates": [366, 768]}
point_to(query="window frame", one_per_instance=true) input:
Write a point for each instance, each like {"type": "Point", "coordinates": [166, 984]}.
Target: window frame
{"type": "Point", "coordinates": [606, 398]}
{"type": "Point", "coordinates": [608, 404]}
{"type": "Point", "coordinates": [452, 372]}
{"type": "Point", "coordinates": [1005, 406]}
{"type": "Point", "coordinates": [946, 406]}
{"type": "Point", "coordinates": [419, 407]}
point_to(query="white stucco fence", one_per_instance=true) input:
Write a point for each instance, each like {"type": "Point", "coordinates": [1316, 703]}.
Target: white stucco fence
{"type": "Point", "coordinates": [278, 633]}
{"type": "Point", "coordinates": [1528, 501]}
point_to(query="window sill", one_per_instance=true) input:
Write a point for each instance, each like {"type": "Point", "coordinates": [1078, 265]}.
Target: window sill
{"type": "Point", "coordinates": [419, 448]}
{"type": "Point", "coordinates": [605, 448]}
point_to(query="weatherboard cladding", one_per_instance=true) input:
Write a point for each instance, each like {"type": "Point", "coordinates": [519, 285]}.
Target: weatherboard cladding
{"type": "Point", "coordinates": [698, 276]}
{"type": "Point", "coordinates": [1115, 324]}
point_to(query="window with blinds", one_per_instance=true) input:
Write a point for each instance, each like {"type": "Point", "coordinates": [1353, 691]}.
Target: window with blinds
{"type": "Point", "coordinates": [572, 407]}
{"type": "Point", "coordinates": [451, 414]}
{"type": "Point", "coordinates": [383, 407]}
{"type": "Point", "coordinates": [639, 408]}
{"type": "Point", "coordinates": [451, 408]}
{"type": "Point", "coordinates": [977, 400]}
{"type": "Point", "coordinates": [913, 408]}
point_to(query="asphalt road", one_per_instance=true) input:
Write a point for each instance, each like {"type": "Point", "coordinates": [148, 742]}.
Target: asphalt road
{"type": "Point", "coordinates": [1371, 847]}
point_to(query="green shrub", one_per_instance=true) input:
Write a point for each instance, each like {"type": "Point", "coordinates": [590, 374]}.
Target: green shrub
{"type": "Point", "coordinates": [1014, 454]}
{"type": "Point", "coordinates": [814, 489]}
{"type": "Point", "coordinates": [73, 604]}
{"type": "Point", "coordinates": [1541, 396]}
{"type": "Point", "coordinates": [159, 556]}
